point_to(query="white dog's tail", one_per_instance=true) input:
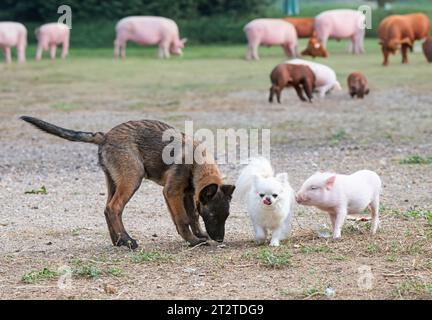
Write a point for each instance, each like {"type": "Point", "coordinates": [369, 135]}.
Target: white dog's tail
{"type": "Point", "coordinates": [257, 166]}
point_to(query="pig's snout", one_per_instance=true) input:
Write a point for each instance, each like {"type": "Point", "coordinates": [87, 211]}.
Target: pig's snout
{"type": "Point", "coordinates": [299, 198]}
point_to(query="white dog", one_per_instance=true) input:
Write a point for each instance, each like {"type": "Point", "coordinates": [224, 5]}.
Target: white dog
{"type": "Point", "coordinates": [269, 198]}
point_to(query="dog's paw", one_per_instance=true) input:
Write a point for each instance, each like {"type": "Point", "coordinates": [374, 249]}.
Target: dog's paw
{"type": "Point", "coordinates": [274, 243]}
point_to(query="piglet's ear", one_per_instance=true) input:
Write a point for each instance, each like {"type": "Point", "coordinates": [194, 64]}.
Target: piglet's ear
{"type": "Point", "coordinates": [184, 40]}
{"type": "Point", "coordinates": [208, 192]}
{"type": "Point", "coordinates": [227, 189]}
{"type": "Point", "coordinates": [330, 182]}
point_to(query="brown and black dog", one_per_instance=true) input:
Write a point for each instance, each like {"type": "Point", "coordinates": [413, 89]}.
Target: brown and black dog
{"type": "Point", "coordinates": [298, 76]}
{"type": "Point", "coordinates": [134, 150]}
{"type": "Point", "coordinates": [357, 85]}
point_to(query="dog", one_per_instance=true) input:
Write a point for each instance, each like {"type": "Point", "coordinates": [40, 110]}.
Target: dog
{"type": "Point", "coordinates": [133, 151]}
{"type": "Point", "coordinates": [270, 200]}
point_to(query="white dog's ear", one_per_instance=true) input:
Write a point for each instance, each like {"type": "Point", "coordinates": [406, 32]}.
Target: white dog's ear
{"type": "Point", "coordinates": [256, 179]}
{"type": "Point", "coordinates": [282, 177]}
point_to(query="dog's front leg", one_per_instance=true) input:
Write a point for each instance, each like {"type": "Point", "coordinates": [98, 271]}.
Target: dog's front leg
{"type": "Point", "coordinates": [180, 217]}
{"type": "Point", "coordinates": [194, 217]}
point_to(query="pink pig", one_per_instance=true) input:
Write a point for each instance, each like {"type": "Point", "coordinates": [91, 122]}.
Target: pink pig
{"type": "Point", "coordinates": [147, 30]}
{"type": "Point", "coordinates": [13, 34]}
{"type": "Point", "coordinates": [325, 77]}
{"type": "Point", "coordinates": [270, 32]}
{"type": "Point", "coordinates": [49, 35]}
{"type": "Point", "coordinates": [341, 24]}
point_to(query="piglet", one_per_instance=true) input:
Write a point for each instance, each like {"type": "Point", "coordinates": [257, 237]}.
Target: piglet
{"type": "Point", "coordinates": [357, 85]}
{"type": "Point", "coordinates": [340, 194]}
{"type": "Point", "coordinates": [300, 77]}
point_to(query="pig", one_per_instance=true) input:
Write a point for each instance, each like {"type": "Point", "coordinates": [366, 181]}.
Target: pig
{"type": "Point", "coordinates": [357, 85]}
{"type": "Point", "coordinates": [300, 77]}
{"type": "Point", "coordinates": [340, 194]}
{"type": "Point", "coordinates": [341, 24]}
{"type": "Point", "coordinates": [325, 77]}
{"type": "Point", "coordinates": [148, 30]}
{"type": "Point", "coordinates": [399, 32]}
{"type": "Point", "coordinates": [304, 25]}
{"type": "Point", "coordinates": [270, 32]}
{"type": "Point", "coordinates": [315, 48]}
{"type": "Point", "coordinates": [49, 36]}
{"type": "Point", "coordinates": [13, 34]}
{"type": "Point", "coordinates": [427, 49]}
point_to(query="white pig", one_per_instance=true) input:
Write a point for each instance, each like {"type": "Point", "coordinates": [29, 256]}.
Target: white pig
{"type": "Point", "coordinates": [340, 194]}
{"type": "Point", "coordinates": [325, 77]}
{"type": "Point", "coordinates": [13, 34]}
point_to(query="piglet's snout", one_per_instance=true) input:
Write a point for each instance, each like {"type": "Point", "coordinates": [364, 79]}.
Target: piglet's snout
{"type": "Point", "coordinates": [299, 198]}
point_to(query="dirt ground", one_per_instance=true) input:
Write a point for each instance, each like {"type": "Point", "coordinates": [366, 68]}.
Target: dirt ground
{"type": "Point", "coordinates": [42, 235]}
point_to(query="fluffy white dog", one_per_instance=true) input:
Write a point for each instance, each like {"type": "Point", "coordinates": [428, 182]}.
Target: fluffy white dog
{"type": "Point", "coordinates": [269, 198]}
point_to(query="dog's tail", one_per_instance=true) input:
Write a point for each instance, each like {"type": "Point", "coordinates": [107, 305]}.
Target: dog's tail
{"type": "Point", "coordinates": [256, 167]}
{"type": "Point", "coordinates": [90, 137]}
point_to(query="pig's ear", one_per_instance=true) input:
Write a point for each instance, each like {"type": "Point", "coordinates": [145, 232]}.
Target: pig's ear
{"type": "Point", "coordinates": [330, 182]}
{"type": "Point", "coordinates": [282, 177]}
{"type": "Point", "coordinates": [184, 40]}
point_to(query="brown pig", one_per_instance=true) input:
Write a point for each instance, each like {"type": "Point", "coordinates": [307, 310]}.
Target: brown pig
{"type": "Point", "coordinates": [300, 77]}
{"type": "Point", "coordinates": [427, 49]}
{"type": "Point", "coordinates": [315, 48]}
{"type": "Point", "coordinates": [357, 85]}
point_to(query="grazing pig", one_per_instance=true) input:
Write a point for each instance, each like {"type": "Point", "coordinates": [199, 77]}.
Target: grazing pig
{"type": "Point", "coordinates": [147, 30]}
{"type": "Point", "coordinates": [427, 49]}
{"type": "Point", "coordinates": [340, 194]}
{"type": "Point", "coordinates": [13, 34]}
{"type": "Point", "coordinates": [399, 32]}
{"type": "Point", "coordinates": [270, 32]}
{"type": "Point", "coordinates": [300, 77]}
{"type": "Point", "coordinates": [325, 77]}
{"type": "Point", "coordinates": [315, 48]}
{"type": "Point", "coordinates": [304, 26]}
{"type": "Point", "coordinates": [357, 85]}
{"type": "Point", "coordinates": [341, 24]}
{"type": "Point", "coordinates": [49, 36]}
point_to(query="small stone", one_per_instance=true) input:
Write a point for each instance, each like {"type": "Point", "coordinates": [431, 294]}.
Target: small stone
{"type": "Point", "coordinates": [109, 288]}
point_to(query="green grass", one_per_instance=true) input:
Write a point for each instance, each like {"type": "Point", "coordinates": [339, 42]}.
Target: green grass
{"type": "Point", "coordinates": [273, 259]}
{"type": "Point", "coordinates": [150, 256]}
{"type": "Point", "coordinates": [41, 190]}
{"type": "Point", "coordinates": [417, 159]}
{"type": "Point", "coordinates": [338, 137]}
{"type": "Point", "coordinates": [315, 249]}
{"type": "Point", "coordinates": [36, 276]}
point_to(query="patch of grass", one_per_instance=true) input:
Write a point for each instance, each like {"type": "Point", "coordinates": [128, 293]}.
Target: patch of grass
{"type": "Point", "coordinates": [337, 137]}
{"type": "Point", "coordinates": [273, 259]}
{"type": "Point", "coordinates": [415, 213]}
{"type": "Point", "coordinates": [317, 249]}
{"type": "Point", "coordinates": [35, 276]}
{"type": "Point", "coordinates": [412, 287]}
{"type": "Point", "coordinates": [89, 270]}
{"type": "Point", "coordinates": [417, 159]}
{"type": "Point", "coordinates": [373, 248]}
{"type": "Point", "coordinates": [41, 190]}
{"type": "Point", "coordinates": [64, 106]}
{"type": "Point", "coordinates": [150, 256]}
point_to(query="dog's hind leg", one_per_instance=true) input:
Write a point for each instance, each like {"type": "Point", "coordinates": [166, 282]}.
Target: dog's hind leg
{"type": "Point", "coordinates": [194, 217]}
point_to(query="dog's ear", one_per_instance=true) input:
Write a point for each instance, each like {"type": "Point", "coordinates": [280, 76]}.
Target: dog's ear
{"type": "Point", "coordinates": [228, 189]}
{"type": "Point", "coordinates": [208, 192]}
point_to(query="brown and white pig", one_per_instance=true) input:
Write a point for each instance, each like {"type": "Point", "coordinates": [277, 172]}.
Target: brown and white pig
{"type": "Point", "coordinates": [270, 32]}
{"type": "Point", "coordinates": [148, 30]}
{"type": "Point", "coordinates": [357, 85]}
{"type": "Point", "coordinates": [300, 77]}
{"type": "Point", "coordinates": [49, 36]}
{"type": "Point", "coordinates": [341, 24]}
{"type": "Point", "coordinates": [13, 34]}
{"type": "Point", "coordinates": [315, 48]}
{"type": "Point", "coordinates": [325, 77]}
{"type": "Point", "coordinates": [340, 194]}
